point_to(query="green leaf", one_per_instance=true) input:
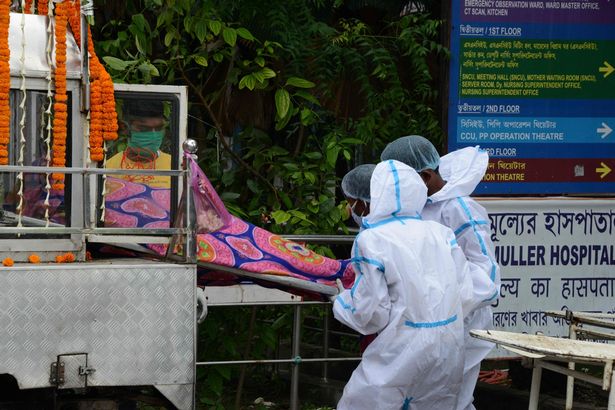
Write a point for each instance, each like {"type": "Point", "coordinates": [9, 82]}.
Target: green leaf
{"type": "Point", "coordinates": [306, 115]}
{"type": "Point", "coordinates": [168, 38]}
{"type": "Point", "coordinates": [268, 72]}
{"type": "Point", "coordinates": [218, 57]}
{"type": "Point", "coordinates": [313, 155]}
{"type": "Point", "coordinates": [286, 199]}
{"type": "Point", "coordinates": [307, 96]}
{"type": "Point", "coordinates": [139, 45]}
{"type": "Point", "coordinates": [350, 141]}
{"type": "Point", "coordinates": [313, 208]}
{"type": "Point", "coordinates": [253, 186]}
{"type": "Point", "coordinates": [230, 35]}
{"type": "Point", "coordinates": [229, 196]}
{"type": "Point", "coordinates": [201, 31]}
{"type": "Point", "coordinates": [116, 63]}
{"type": "Point", "coordinates": [148, 69]}
{"type": "Point", "coordinates": [200, 60]}
{"type": "Point", "coordinates": [258, 76]}
{"type": "Point", "coordinates": [245, 33]}
{"type": "Point", "coordinates": [291, 166]}
{"type": "Point", "coordinates": [280, 217]}
{"type": "Point", "coordinates": [332, 155]}
{"type": "Point", "coordinates": [248, 82]}
{"type": "Point", "coordinates": [260, 61]}
{"type": "Point", "coordinates": [282, 102]}
{"type": "Point", "coordinates": [310, 177]}
{"type": "Point", "coordinates": [300, 82]}
{"type": "Point", "coordinates": [215, 26]}
{"type": "Point", "coordinates": [139, 21]}
{"type": "Point", "coordinates": [188, 24]}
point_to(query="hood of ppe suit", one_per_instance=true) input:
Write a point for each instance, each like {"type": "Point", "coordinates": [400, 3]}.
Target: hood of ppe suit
{"type": "Point", "coordinates": [462, 170]}
{"type": "Point", "coordinates": [396, 191]}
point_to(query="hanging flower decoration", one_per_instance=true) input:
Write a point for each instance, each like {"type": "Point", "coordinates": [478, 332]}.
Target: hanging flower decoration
{"type": "Point", "coordinates": [7, 262]}
{"type": "Point", "coordinates": [103, 121]}
{"type": "Point", "coordinates": [34, 258]}
{"type": "Point", "coordinates": [42, 7]}
{"type": "Point", "coordinates": [5, 82]}
{"type": "Point", "coordinates": [60, 112]}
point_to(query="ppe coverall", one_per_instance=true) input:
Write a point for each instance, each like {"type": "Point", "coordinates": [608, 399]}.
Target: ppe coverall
{"type": "Point", "coordinates": [407, 289]}
{"type": "Point", "coordinates": [451, 206]}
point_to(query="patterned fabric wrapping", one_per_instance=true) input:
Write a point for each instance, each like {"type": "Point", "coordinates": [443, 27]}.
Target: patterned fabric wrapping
{"type": "Point", "coordinates": [245, 246]}
{"type": "Point", "coordinates": [238, 244]}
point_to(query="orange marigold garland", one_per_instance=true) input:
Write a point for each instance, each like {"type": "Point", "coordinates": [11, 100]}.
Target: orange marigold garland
{"type": "Point", "coordinates": [7, 262]}
{"type": "Point", "coordinates": [103, 117]}
{"type": "Point", "coordinates": [5, 82]}
{"type": "Point", "coordinates": [60, 112]}
{"type": "Point", "coordinates": [34, 258]}
{"type": "Point", "coordinates": [42, 7]}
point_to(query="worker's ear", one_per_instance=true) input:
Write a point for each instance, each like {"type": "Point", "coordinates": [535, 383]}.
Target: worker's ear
{"type": "Point", "coordinates": [426, 176]}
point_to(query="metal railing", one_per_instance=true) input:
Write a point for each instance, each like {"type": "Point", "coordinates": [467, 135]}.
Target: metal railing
{"type": "Point", "coordinates": [115, 235]}
{"type": "Point", "coordinates": [295, 360]}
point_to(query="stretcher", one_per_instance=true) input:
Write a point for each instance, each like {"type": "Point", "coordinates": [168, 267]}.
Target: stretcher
{"type": "Point", "coordinates": [545, 350]}
{"type": "Point", "coordinates": [578, 322]}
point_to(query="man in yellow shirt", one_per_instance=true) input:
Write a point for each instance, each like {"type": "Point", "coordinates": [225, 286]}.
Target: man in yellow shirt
{"type": "Point", "coordinates": [146, 127]}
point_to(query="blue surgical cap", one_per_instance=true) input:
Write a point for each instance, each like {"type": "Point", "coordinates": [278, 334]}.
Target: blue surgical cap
{"type": "Point", "coordinates": [413, 150]}
{"type": "Point", "coordinates": [355, 183]}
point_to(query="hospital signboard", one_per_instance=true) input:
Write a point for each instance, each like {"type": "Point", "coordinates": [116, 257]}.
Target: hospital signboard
{"type": "Point", "coordinates": [533, 82]}
{"type": "Point", "coordinates": [554, 254]}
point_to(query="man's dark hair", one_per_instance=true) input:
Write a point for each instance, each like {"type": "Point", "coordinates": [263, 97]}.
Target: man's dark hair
{"type": "Point", "coordinates": [144, 108]}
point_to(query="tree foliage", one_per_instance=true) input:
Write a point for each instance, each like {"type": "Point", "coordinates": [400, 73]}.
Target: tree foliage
{"type": "Point", "coordinates": [285, 96]}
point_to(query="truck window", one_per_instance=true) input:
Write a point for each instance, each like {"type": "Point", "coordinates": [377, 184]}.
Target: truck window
{"type": "Point", "coordinates": [147, 140]}
{"type": "Point", "coordinates": [36, 199]}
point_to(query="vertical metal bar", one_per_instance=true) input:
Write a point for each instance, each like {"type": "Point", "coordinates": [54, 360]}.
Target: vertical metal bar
{"type": "Point", "coordinates": [85, 64]}
{"type": "Point", "coordinates": [535, 390]}
{"type": "Point", "coordinates": [325, 344]}
{"type": "Point", "coordinates": [88, 199]}
{"type": "Point", "coordinates": [294, 377]}
{"type": "Point", "coordinates": [189, 249]}
{"type": "Point", "coordinates": [572, 333]}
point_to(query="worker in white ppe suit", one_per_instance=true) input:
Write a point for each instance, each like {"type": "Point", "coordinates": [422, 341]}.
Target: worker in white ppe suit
{"type": "Point", "coordinates": [450, 180]}
{"type": "Point", "coordinates": [407, 289]}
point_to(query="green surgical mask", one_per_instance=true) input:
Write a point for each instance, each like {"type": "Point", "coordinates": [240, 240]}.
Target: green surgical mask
{"type": "Point", "coordinates": [146, 140]}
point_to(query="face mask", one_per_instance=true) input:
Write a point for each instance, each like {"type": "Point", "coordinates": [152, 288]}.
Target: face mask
{"type": "Point", "coordinates": [357, 218]}
{"type": "Point", "coordinates": [146, 140]}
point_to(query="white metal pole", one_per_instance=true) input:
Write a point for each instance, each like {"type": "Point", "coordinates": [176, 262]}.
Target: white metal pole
{"type": "Point", "coordinates": [570, 380]}
{"type": "Point", "coordinates": [535, 390]}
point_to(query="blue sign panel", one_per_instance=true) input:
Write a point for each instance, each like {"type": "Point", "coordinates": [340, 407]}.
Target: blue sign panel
{"type": "Point", "coordinates": [533, 83]}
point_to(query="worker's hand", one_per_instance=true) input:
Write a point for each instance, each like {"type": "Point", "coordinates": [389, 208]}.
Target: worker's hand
{"type": "Point", "coordinates": [340, 289]}
{"type": "Point", "coordinates": [201, 300]}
